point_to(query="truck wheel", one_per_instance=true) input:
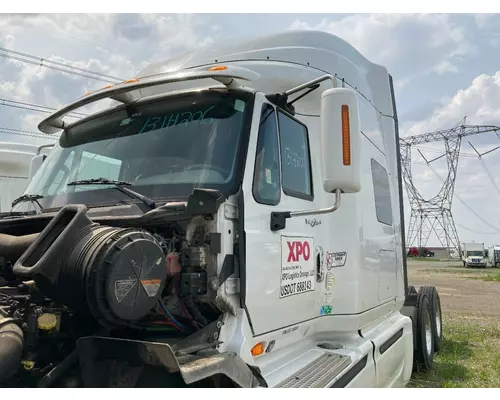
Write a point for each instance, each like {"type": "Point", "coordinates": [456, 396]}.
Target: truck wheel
{"type": "Point", "coordinates": [437, 321]}
{"type": "Point", "coordinates": [424, 353]}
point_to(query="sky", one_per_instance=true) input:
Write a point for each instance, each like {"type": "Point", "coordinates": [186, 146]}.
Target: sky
{"type": "Point", "coordinates": [445, 67]}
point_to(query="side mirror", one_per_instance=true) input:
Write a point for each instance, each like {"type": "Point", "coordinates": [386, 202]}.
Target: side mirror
{"type": "Point", "coordinates": [340, 141]}
{"type": "Point", "coordinates": [36, 163]}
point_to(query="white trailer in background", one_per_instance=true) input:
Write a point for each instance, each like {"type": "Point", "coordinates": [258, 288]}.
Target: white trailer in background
{"type": "Point", "coordinates": [494, 256]}
{"type": "Point", "coordinates": [473, 255]}
{"type": "Point", "coordinates": [15, 166]}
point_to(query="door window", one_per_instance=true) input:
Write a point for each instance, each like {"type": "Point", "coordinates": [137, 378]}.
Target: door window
{"type": "Point", "coordinates": [295, 158]}
{"type": "Point", "coordinates": [266, 181]}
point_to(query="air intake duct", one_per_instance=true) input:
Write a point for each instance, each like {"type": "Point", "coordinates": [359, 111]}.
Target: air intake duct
{"type": "Point", "coordinates": [114, 274]}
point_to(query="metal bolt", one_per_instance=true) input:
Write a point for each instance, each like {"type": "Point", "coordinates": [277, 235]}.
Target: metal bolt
{"type": "Point", "coordinates": [216, 336]}
{"type": "Point", "coordinates": [219, 324]}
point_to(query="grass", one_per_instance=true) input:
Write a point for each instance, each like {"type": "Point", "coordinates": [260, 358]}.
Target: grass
{"type": "Point", "coordinates": [469, 356]}
{"type": "Point", "coordinates": [490, 277]}
{"type": "Point", "coordinates": [430, 259]}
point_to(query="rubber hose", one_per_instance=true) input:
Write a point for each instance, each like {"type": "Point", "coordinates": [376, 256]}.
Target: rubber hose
{"type": "Point", "coordinates": [12, 247]}
{"type": "Point", "coordinates": [11, 348]}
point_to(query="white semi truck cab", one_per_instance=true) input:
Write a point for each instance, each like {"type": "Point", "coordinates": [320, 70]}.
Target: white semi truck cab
{"type": "Point", "coordinates": [18, 161]}
{"type": "Point", "coordinates": [494, 256]}
{"type": "Point", "coordinates": [473, 255]}
{"type": "Point", "coordinates": [233, 219]}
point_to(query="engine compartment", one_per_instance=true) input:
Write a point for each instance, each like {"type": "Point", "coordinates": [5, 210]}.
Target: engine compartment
{"type": "Point", "coordinates": [128, 280]}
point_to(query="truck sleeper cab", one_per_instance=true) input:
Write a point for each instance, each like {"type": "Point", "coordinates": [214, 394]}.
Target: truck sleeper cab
{"type": "Point", "coordinates": [274, 189]}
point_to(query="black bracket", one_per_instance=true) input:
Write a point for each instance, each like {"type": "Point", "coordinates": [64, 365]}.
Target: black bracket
{"type": "Point", "coordinates": [204, 201]}
{"type": "Point", "coordinates": [278, 220]}
{"type": "Point", "coordinates": [228, 268]}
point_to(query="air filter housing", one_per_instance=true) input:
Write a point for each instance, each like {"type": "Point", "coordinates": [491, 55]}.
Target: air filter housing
{"type": "Point", "coordinates": [114, 274]}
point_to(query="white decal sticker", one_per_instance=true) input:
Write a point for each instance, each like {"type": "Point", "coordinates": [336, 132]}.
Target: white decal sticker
{"type": "Point", "coordinates": [334, 260]}
{"type": "Point", "coordinates": [239, 105]}
{"type": "Point", "coordinates": [290, 330]}
{"type": "Point", "coordinates": [297, 266]}
{"type": "Point", "coordinates": [268, 176]}
{"type": "Point", "coordinates": [125, 121]}
{"type": "Point", "coordinates": [327, 298]}
{"type": "Point", "coordinates": [330, 281]}
{"type": "Point", "coordinates": [151, 286]}
{"type": "Point", "coordinates": [123, 287]}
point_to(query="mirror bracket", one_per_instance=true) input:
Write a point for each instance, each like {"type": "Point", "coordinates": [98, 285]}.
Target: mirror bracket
{"type": "Point", "coordinates": [278, 218]}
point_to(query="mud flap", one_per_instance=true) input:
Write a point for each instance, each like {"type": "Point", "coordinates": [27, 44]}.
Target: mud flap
{"type": "Point", "coordinates": [111, 362]}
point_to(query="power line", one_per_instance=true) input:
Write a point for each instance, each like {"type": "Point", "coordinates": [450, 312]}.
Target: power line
{"type": "Point", "coordinates": [465, 204]}
{"type": "Point", "coordinates": [13, 177]}
{"type": "Point", "coordinates": [43, 62]}
{"type": "Point", "coordinates": [36, 107]}
{"type": "Point", "coordinates": [489, 175]}
{"type": "Point", "coordinates": [461, 154]}
{"type": "Point", "coordinates": [20, 132]}
{"type": "Point", "coordinates": [55, 68]}
{"type": "Point", "coordinates": [40, 106]}
{"type": "Point", "coordinates": [67, 71]}
{"type": "Point", "coordinates": [476, 232]}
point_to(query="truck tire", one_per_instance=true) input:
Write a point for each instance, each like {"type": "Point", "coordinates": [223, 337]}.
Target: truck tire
{"type": "Point", "coordinates": [437, 321]}
{"type": "Point", "coordinates": [424, 352]}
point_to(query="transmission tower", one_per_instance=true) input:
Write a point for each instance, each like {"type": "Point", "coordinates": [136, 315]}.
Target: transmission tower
{"type": "Point", "coordinates": [434, 215]}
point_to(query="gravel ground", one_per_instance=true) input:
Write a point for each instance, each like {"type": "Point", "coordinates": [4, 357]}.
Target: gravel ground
{"type": "Point", "coordinates": [461, 289]}
{"type": "Point", "coordinates": [470, 301]}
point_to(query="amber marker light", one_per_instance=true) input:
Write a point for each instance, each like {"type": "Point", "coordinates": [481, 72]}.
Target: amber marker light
{"type": "Point", "coordinates": [346, 136]}
{"type": "Point", "coordinates": [258, 349]}
{"type": "Point", "coordinates": [218, 68]}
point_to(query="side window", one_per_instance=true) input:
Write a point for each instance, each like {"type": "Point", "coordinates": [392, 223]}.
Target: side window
{"type": "Point", "coordinates": [295, 158]}
{"type": "Point", "coordinates": [266, 181]}
{"type": "Point", "coordinates": [382, 193]}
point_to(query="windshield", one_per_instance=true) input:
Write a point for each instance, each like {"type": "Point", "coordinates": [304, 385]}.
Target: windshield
{"type": "Point", "coordinates": [475, 254]}
{"type": "Point", "coordinates": [163, 149]}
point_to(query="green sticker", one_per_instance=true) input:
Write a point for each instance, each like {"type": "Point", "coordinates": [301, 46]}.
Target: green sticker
{"type": "Point", "coordinates": [325, 310]}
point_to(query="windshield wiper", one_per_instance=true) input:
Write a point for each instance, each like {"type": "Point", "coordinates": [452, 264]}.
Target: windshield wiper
{"type": "Point", "coordinates": [28, 197]}
{"type": "Point", "coordinates": [118, 185]}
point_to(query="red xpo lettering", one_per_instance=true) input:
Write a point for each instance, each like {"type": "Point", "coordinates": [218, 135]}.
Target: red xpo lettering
{"type": "Point", "coordinates": [297, 249]}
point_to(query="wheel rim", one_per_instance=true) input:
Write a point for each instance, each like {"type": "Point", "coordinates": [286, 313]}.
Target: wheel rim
{"type": "Point", "coordinates": [438, 321]}
{"type": "Point", "coordinates": [428, 333]}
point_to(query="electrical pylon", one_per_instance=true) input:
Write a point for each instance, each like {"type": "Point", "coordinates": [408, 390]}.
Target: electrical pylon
{"type": "Point", "coordinates": [434, 214]}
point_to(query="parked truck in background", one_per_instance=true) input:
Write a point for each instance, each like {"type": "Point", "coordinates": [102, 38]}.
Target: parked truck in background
{"type": "Point", "coordinates": [473, 255]}
{"type": "Point", "coordinates": [247, 231]}
{"type": "Point", "coordinates": [16, 162]}
{"type": "Point", "coordinates": [494, 256]}
{"type": "Point", "coordinates": [422, 252]}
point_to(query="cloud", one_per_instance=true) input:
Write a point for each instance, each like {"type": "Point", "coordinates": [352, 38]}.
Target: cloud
{"type": "Point", "coordinates": [409, 45]}
{"type": "Point", "coordinates": [480, 102]}
{"type": "Point", "coordinates": [114, 44]}
{"type": "Point", "coordinates": [477, 186]}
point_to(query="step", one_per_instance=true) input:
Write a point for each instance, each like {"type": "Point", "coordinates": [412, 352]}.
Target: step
{"type": "Point", "coordinates": [318, 373]}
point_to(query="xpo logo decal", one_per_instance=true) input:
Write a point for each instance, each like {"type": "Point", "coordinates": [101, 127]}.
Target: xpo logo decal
{"type": "Point", "coordinates": [298, 250]}
{"type": "Point", "coordinates": [298, 272]}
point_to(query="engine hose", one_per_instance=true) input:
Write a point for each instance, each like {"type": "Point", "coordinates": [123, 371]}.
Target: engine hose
{"type": "Point", "coordinates": [58, 370]}
{"type": "Point", "coordinates": [193, 310]}
{"type": "Point", "coordinates": [11, 348]}
{"type": "Point", "coordinates": [12, 247]}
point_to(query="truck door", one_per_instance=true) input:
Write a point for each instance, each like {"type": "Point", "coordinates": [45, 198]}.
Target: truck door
{"type": "Point", "coordinates": [280, 271]}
